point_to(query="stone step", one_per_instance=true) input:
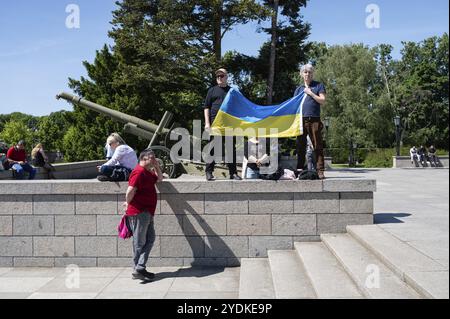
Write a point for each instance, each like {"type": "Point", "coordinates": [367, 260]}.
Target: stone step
{"type": "Point", "coordinates": [256, 279]}
{"type": "Point", "coordinates": [289, 277]}
{"type": "Point", "coordinates": [373, 278]}
{"type": "Point", "coordinates": [328, 278]}
{"type": "Point", "coordinates": [421, 272]}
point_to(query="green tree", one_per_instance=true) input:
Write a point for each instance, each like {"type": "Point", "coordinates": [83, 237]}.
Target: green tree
{"type": "Point", "coordinates": [52, 128]}
{"type": "Point", "coordinates": [422, 91]}
{"type": "Point", "coordinates": [14, 131]}
{"type": "Point", "coordinates": [291, 10]}
{"type": "Point", "coordinates": [348, 73]}
{"type": "Point", "coordinates": [252, 74]}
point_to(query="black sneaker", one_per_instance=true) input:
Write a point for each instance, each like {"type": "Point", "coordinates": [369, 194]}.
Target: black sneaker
{"type": "Point", "coordinates": [236, 177]}
{"type": "Point", "coordinates": [103, 178]}
{"type": "Point", "coordinates": [210, 176]}
{"type": "Point", "coordinates": [143, 275]}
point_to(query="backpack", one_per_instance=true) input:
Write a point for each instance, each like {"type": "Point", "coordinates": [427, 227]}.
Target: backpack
{"type": "Point", "coordinates": [275, 176]}
{"type": "Point", "coordinates": [124, 229]}
{"type": "Point", "coordinates": [120, 174]}
{"type": "Point", "coordinates": [308, 175]}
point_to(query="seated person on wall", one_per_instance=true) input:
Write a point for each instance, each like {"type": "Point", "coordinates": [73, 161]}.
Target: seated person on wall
{"type": "Point", "coordinates": [40, 159]}
{"type": "Point", "coordinates": [17, 160]}
{"type": "Point", "coordinates": [413, 154]}
{"type": "Point", "coordinates": [434, 161]}
{"type": "Point", "coordinates": [120, 166]}
{"type": "Point", "coordinates": [256, 156]}
{"type": "Point", "coordinates": [422, 153]}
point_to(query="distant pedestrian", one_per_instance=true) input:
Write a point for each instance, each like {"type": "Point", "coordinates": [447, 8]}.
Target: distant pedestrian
{"type": "Point", "coordinates": [140, 206]}
{"type": "Point", "coordinates": [434, 161]}
{"type": "Point", "coordinates": [423, 157]}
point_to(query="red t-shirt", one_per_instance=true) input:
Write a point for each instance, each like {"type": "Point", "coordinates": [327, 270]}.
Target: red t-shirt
{"type": "Point", "coordinates": [145, 198]}
{"type": "Point", "coordinates": [16, 155]}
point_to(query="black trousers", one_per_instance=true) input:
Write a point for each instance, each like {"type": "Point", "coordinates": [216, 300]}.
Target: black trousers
{"type": "Point", "coordinates": [231, 166]}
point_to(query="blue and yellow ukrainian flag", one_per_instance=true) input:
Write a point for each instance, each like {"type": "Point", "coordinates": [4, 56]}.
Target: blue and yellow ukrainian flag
{"type": "Point", "coordinates": [237, 112]}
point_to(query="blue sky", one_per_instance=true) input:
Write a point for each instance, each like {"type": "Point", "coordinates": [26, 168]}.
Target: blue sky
{"type": "Point", "coordinates": [38, 53]}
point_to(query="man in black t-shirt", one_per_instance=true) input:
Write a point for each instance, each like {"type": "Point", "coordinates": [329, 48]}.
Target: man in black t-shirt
{"type": "Point", "coordinates": [213, 101]}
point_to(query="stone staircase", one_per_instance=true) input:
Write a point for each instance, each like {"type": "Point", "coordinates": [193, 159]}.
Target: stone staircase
{"type": "Point", "coordinates": [365, 262]}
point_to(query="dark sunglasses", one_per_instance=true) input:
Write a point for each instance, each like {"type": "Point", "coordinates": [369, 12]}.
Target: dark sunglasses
{"type": "Point", "coordinates": [220, 76]}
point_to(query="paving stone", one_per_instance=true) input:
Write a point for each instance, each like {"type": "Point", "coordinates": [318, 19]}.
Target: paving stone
{"type": "Point", "coordinates": [53, 246]}
{"type": "Point", "coordinates": [97, 204]}
{"type": "Point", "coordinates": [34, 225]}
{"type": "Point", "coordinates": [6, 226]}
{"type": "Point", "coordinates": [259, 245]}
{"type": "Point", "coordinates": [182, 246]}
{"type": "Point", "coordinates": [299, 224]}
{"type": "Point", "coordinates": [182, 204]}
{"type": "Point", "coordinates": [80, 262]}
{"type": "Point", "coordinates": [271, 203]}
{"type": "Point", "coordinates": [16, 246]}
{"type": "Point", "coordinates": [316, 203]}
{"type": "Point", "coordinates": [34, 262]}
{"type": "Point", "coordinates": [256, 279]}
{"type": "Point", "coordinates": [168, 225]}
{"type": "Point", "coordinates": [356, 203]}
{"type": "Point", "coordinates": [73, 225]}
{"type": "Point", "coordinates": [225, 204]}
{"type": "Point", "coordinates": [245, 225]}
{"type": "Point", "coordinates": [17, 204]}
{"type": "Point", "coordinates": [95, 247]}
{"type": "Point", "coordinates": [229, 246]}
{"type": "Point", "coordinates": [337, 223]}
{"type": "Point", "coordinates": [18, 285]}
{"type": "Point", "coordinates": [200, 225]}
{"type": "Point", "coordinates": [107, 225]}
{"type": "Point", "coordinates": [53, 204]}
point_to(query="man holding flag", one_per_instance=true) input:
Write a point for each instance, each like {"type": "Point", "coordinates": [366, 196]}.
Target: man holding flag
{"type": "Point", "coordinates": [312, 125]}
{"type": "Point", "coordinates": [213, 101]}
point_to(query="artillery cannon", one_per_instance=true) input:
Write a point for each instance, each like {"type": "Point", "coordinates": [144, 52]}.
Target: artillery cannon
{"type": "Point", "coordinates": [137, 127]}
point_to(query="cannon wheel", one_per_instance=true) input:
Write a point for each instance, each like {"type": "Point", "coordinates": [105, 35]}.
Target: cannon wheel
{"type": "Point", "coordinates": [165, 162]}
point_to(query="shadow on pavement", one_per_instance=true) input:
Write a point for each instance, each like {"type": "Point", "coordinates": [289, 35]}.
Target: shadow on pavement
{"type": "Point", "coordinates": [389, 218]}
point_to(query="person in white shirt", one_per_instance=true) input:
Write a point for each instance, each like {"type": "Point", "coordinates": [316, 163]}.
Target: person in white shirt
{"type": "Point", "coordinates": [122, 163]}
{"type": "Point", "coordinates": [413, 154]}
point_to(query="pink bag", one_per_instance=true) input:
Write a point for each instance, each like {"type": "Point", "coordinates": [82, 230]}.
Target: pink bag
{"type": "Point", "coordinates": [123, 228]}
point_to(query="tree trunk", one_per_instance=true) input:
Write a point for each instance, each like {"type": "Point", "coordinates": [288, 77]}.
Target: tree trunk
{"type": "Point", "coordinates": [217, 25]}
{"type": "Point", "coordinates": [273, 47]}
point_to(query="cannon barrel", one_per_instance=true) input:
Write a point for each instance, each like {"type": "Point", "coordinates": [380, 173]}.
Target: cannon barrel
{"type": "Point", "coordinates": [118, 116]}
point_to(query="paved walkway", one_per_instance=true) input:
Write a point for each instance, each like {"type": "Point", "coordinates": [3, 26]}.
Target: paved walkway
{"type": "Point", "coordinates": [411, 204]}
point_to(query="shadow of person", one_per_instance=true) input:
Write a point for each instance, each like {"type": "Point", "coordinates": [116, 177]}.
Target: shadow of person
{"type": "Point", "coordinates": [389, 218]}
{"type": "Point", "coordinates": [211, 255]}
